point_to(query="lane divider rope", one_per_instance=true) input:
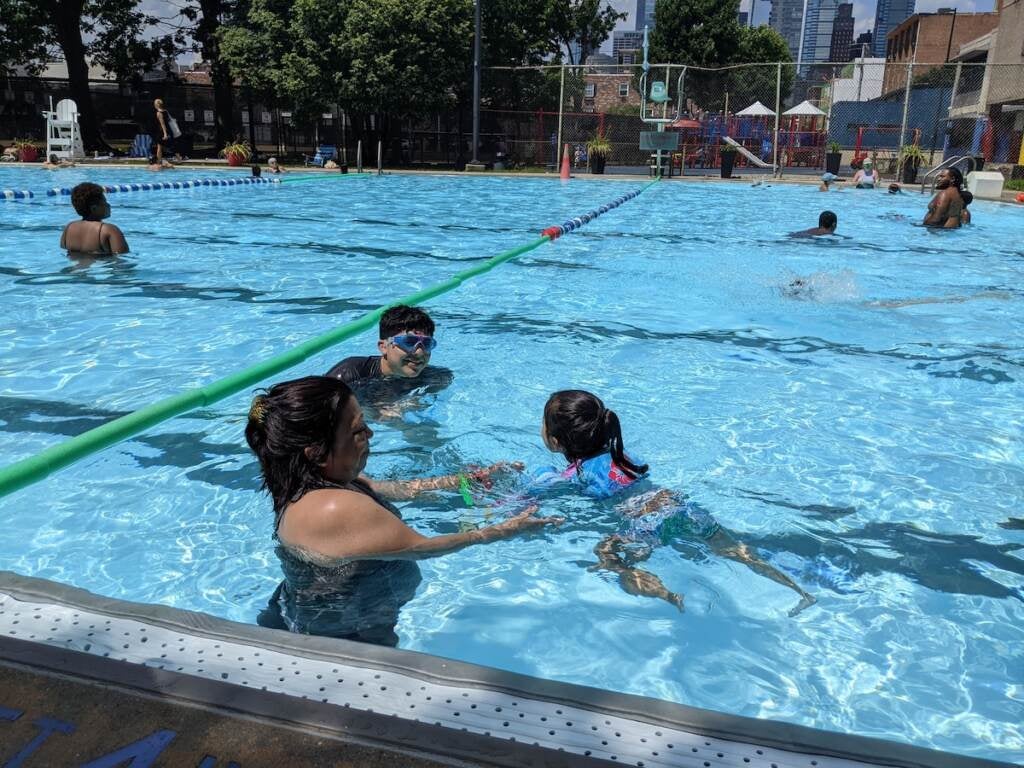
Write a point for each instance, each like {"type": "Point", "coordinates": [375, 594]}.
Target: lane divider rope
{"type": "Point", "coordinates": [156, 185]}
{"type": "Point", "coordinates": [557, 230]}
{"type": "Point", "coordinates": [35, 468]}
{"type": "Point", "coordinates": [16, 194]}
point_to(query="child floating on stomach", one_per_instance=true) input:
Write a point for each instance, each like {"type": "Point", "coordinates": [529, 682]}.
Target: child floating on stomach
{"type": "Point", "coordinates": [577, 425]}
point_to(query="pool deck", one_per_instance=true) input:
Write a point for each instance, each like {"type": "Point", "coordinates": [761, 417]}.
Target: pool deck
{"type": "Point", "coordinates": [93, 682]}
{"type": "Point", "coordinates": [799, 176]}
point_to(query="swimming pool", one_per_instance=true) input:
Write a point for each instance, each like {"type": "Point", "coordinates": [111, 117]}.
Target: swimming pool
{"type": "Point", "coordinates": [871, 449]}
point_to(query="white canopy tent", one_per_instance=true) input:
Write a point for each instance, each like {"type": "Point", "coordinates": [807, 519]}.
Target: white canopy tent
{"type": "Point", "coordinates": [757, 109]}
{"type": "Point", "coordinates": [804, 109]}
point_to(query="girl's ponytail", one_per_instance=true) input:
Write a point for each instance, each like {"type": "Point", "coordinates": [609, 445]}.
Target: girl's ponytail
{"type": "Point", "coordinates": [613, 438]}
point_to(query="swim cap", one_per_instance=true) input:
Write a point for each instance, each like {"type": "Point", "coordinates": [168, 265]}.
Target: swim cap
{"type": "Point", "coordinates": [271, 160]}
{"type": "Point", "coordinates": [867, 161]}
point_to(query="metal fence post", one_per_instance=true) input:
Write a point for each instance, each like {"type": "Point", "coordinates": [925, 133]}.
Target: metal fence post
{"type": "Point", "coordinates": [778, 111]}
{"type": "Point", "coordinates": [561, 110]}
{"type": "Point", "coordinates": [906, 101]}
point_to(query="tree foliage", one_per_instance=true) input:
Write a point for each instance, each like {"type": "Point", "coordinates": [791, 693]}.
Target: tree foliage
{"type": "Point", "coordinates": [698, 33]}
{"type": "Point", "coordinates": [108, 33]}
{"type": "Point", "coordinates": [576, 27]}
{"type": "Point", "coordinates": [705, 36]}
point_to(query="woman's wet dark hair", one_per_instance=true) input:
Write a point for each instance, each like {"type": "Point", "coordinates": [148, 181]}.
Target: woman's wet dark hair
{"type": "Point", "coordinates": [958, 177]}
{"type": "Point", "coordinates": [584, 428]}
{"type": "Point", "coordinates": [285, 420]}
{"type": "Point", "coordinates": [84, 196]}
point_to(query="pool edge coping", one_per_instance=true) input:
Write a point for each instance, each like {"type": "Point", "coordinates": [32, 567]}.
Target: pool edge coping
{"type": "Point", "coordinates": [775, 734]}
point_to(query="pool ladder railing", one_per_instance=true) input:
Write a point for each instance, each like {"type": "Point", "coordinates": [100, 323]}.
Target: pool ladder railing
{"type": "Point", "coordinates": [950, 163]}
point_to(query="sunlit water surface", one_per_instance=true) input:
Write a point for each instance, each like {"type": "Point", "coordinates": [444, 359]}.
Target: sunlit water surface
{"type": "Point", "coordinates": [864, 434]}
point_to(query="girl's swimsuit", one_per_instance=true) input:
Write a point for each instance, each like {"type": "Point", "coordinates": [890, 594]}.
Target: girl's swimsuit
{"type": "Point", "coordinates": [352, 599]}
{"type": "Point", "coordinates": [602, 478]}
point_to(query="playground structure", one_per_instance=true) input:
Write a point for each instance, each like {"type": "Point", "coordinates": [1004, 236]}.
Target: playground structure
{"type": "Point", "coordinates": [878, 144]}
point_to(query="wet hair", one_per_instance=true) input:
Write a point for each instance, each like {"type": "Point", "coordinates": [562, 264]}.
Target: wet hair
{"type": "Point", "coordinates": [256, 171]}
{"type": "Point", "coordinates": [894, 189]}
{"type": "Point", "coordinates": [957, 176]}
{"type": "Point", "coordinates": [53, 159]}
{"type": "Point", "coordinates": [967, 197]}
{"type": "Point", "coordinates": [403, 318]}
{"type": "Point", "coordinates": [284, 421]}
{"type": "Point", "coordinates": [828, 220]}
{"type": "Point", "coordinates": [584, 428]}
{"type": "Point", "coordinates": [85, 196]}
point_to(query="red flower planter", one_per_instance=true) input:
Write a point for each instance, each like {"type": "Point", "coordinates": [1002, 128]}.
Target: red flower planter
{"type": "Point", "coordinates": [28, 154]}
{"type": "Point", "coordinates": [235, 158]}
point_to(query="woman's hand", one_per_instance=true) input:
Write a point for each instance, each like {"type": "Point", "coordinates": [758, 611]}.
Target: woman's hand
{"type": "Point", "coordinates": [526, 520]}
{"type": "Point", "coordinates": [483, 474]}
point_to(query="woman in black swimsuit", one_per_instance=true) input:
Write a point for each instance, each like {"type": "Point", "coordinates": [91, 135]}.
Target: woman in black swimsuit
{"type": "Point", "coordinates": [91, 236]}
{"type": "Point", "coordinates": [349, 560]}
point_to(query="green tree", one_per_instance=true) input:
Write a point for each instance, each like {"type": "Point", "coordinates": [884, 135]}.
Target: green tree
{"type": "Point", "coordinates": [33, 32]}
{"type": "Point", "coordinates": [287, 52]}
{"type": "Point", "coordinates": [405, 57]}
{"type": "Point", "coordinates": [698, 33]}
{"type": "Point", "coordinates": [576, 27]}
{"type": "Point", "coordinates": [757, 80]}
{"type": "Point", "coordinates": [208, 17]}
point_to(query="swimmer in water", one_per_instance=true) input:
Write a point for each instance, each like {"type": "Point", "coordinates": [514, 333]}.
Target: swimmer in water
{"type": "Point", "coordinates": [896, 303]}
{"type": "Point", "coordinates": [894, 189]}
{"type": "Point", "coordinates": [968, 198]}
{"type": "Point", "coordinates": [826, 179]}
{"type": "Point", "coordinates": [827, 223]}
{"type": "Point", "coordinates": [867, 177]}
{"type": "Point", "coordinates": [577, 425]}
{"type": "Point", "coordinates": [81, 238]}
{"type": "Point", "coordinates": [947, 205]}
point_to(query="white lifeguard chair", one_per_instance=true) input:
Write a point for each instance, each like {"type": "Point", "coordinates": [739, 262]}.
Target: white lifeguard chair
{"type": "Point", "coordinates": [63, 136]}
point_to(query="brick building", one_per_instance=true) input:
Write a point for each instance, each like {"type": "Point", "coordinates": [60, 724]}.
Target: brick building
{"type": "Point", "coordinates": [928, 40]}
{"type": "Point", "coordinates": [602, 91]}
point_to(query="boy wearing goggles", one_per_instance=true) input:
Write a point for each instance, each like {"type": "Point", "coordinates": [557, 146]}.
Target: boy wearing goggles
{"type": "Point", "coordinates": [406, 341]}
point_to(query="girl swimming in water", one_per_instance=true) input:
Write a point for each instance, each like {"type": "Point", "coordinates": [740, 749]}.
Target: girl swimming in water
{"type": "Point", "coordinates": [577, 425]}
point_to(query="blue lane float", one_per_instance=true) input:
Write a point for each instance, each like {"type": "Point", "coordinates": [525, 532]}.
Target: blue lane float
{"type": "Point", "coordinates": [556, 231]}
{"type": "Point", "coordinates": [16, 194]}
{"type": "Point", "coordinates": [156, 185]}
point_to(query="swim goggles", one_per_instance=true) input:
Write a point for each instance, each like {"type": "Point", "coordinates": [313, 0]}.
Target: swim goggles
{"type": "Point", "coordinates": [410, 342]}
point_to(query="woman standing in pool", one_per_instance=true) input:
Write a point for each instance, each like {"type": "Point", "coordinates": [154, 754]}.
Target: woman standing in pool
{"type": "Point", "coordinates": [946, 207]}
{"type": "Point", "coordinates": [577, 425]}
{"type": "Point", "coordinates": [81, 238]}
{"type": "Point", "coordinates": [348, 559]}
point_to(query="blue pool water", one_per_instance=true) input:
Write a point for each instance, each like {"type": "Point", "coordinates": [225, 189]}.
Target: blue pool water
{"type": "Point", "coordinates": [865, 437]}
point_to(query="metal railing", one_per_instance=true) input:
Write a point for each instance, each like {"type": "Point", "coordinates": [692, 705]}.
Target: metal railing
{"type": "Point", "coordinates": [951, 162]}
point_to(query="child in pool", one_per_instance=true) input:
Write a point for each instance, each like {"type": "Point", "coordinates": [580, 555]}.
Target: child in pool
{"type": "Point", "coordinates": [577, 425]}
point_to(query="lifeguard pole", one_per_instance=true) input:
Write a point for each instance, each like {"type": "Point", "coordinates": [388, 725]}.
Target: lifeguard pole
{"type": "Point", "coordinates": [657, 140]}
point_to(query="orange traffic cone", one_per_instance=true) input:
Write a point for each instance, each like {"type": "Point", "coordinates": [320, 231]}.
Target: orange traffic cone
{"type": "Point", "coordinates": [564, 175]}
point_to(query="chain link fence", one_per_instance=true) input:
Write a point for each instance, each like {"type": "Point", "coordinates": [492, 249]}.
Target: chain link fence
{"type": "Point", "coordinates": [776, 117]}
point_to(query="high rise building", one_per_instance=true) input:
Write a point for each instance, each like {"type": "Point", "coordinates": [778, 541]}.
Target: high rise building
{"type": "Point", "coordinates": [842, 33]}
{"type": "Point", "coordinates": [858, 49]}
{"type": "Point", "coordinates": [743, 18]}
{"type": "Point", "coordinates": [644, 14]}
{"type": "Point", "coordinates": [889, 14]}
{"type": "Point", "coordinates": [786, 18]}
{"type": "Point", "coordinates": [821, 15]}
{"type": "Point", "coordinates": [627, 46]}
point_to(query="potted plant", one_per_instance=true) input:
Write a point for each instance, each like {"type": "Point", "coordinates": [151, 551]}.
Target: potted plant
{"type": "Point", "coordinates": [727, 154]}
{"type": "Point", "coordinates": [833, 158]}
{"type": "Point", "coordinates": [237, 152]}
{"type": "Point", "coordinates": [27, 151]}
{"type": "Point", "coordinates": [911, 158]}
{"type": "Point", "coordinates": [598, 151]}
